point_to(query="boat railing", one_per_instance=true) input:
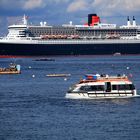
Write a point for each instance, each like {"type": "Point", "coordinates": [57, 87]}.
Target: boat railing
{"type": "Point", "coordinates": [67, 41]}
{"type": "Point", "coordinates": [114, 77]}
{"type": "Point", "coordinates": [103, 79]}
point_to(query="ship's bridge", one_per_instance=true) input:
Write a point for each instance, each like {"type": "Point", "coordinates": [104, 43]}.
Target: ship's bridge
{"type": "Point", "coordinates": [19, 30]}
{"type": "Point", "coordinates": [16, 31]}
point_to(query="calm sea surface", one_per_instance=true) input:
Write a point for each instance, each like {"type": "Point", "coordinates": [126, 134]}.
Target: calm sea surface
{"type": "Point", "coordinates": [35, 108]}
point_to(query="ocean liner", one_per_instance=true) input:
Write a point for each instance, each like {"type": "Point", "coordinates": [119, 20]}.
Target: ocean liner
{"type": "Point", "coordinates": [92, 38]}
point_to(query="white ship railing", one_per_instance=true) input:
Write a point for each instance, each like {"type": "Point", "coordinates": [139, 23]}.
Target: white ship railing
{"type": "Point", "coordinates": [88, 41]}
{"type": "Point", "coordinates": [96, 41]}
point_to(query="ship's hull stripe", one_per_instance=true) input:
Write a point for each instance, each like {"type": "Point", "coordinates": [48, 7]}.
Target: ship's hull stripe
{"type": "Point", "coordinates": [68, 49]}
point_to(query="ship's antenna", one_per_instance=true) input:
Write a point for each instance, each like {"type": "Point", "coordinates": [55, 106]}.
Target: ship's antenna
{"type": "Point", "coordinates": [25, 22]}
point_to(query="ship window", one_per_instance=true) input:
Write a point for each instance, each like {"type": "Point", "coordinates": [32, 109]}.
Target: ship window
{"type": "Point", "coordinates": [127, 87]}
{"type": "Point", "coordinates": [92, 88]}
{"type": "Point", "coordinates": [100, 87]}
{"type": "Point", "coordinates": [85, 88]}
{"type": "Point", "coordinates": [114, 87]}
{"type": "Point", "coordinates": [123, 87]}
{"type": "Point", "coordinates": [132, 87]}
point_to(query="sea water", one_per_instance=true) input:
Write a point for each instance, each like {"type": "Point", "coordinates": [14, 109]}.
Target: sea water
{"type": "Point", "coordinates": [33, 106]}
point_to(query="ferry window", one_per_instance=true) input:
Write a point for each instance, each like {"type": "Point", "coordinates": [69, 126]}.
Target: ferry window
{"type": "Point", "coordinates": [121, 87]}
{"type": "Point", "coordinates": [132, 87]}
{"type": "Point", "coordinates": [127, 87]}
{"type": "Point", "coordinates": [97, 88]}
{"type": "Point", "coordinates": [114, 87]}
{"type": "Point", "coordinates": [100, 88]}
{"type": "Point", "coordinates": [92, 88]}
{"type": "Point", "coordinates": [85, 88]}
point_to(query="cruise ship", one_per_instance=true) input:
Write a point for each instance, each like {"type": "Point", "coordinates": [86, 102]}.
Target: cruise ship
{"type": "Point", "coordinates": [92, 38]}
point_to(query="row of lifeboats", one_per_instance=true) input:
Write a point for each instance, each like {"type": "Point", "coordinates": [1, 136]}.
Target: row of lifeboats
{"type": "Point", "coordinates": [59, 36]}
{"type": "Point", "coordinates": [112, 36]}
{"type": "Point", "coordinates": [108, 36]}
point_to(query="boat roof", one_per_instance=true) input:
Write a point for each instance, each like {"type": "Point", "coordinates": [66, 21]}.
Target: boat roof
{"type": "Point", "coordinates": [104, 78]}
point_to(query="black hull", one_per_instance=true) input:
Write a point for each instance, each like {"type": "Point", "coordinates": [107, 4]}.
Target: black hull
{"type": "Point", "coordinates": [68, 49]}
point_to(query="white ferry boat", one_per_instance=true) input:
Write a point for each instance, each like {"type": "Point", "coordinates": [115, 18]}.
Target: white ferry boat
{"type": "Point", "coordinates": [101, 87]}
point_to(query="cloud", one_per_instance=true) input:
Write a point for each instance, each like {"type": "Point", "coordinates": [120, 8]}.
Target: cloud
{"type": "Point", "coordinates": [77, 5]}
{"type": "Point", "coordinates": [108, 7]}
{"type": "Point", "coordinates": [21, 4]}
{"type": "Point", "coordinates": [3, 24]}
{"type": "Point", "coordinates": [32, 4]}
{"type": "Point", "coordinates": [59, 1]}
{"type": "Point", "coordinates": [10, 4]}
{"type": "Point", "coordinates": [131, 5]}
{"type": "Point", "coordinates": [29, 4]}
{"type": "Point", "coordinates": [1, 20]}
{"type": "Point", "coordinates": [105, 7]}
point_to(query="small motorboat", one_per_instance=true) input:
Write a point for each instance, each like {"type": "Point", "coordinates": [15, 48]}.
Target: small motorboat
{"type": "Point", "coordinates": [117, 54]}
{"type": "Point", "coordinates": [101, 87]}
{"type": "Point", "coordinates": [12, 69]}
{"type": "Point", "coordinates": [45, 59]}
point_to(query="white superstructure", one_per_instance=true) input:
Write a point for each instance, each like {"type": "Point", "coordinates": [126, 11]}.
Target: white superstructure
{"type": "Point", "coordinates": [97, 30]}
